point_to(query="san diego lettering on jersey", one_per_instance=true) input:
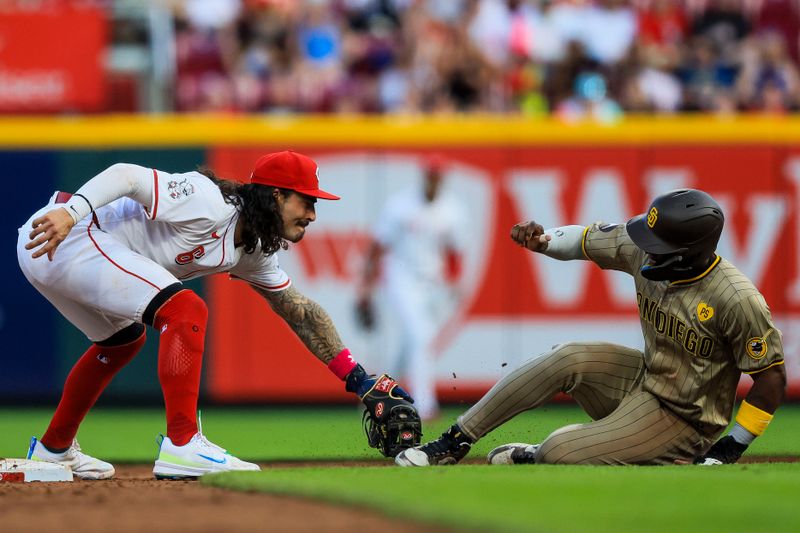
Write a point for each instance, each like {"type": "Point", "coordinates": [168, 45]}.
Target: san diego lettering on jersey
{"type": "Point", "coordinates": [673, 327]}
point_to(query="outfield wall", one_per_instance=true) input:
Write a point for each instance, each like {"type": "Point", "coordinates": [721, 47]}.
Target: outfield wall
{"type": "Point", "coordinates": [511, 304]}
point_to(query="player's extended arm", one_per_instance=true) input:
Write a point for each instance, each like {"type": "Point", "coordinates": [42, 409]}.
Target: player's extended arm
{"type": "Point", "coordinates": [118, 180]}
{"type": "Point", "coordinates": [755, 413]}
{"type": "Point", "coordinates": [365, 311]}
{"type": "Point", "coordinates": [563, 243]}
{"type": "Point", "coordinates": [309, 321]}
{"type": "Point", "coordinates": [395, 424]}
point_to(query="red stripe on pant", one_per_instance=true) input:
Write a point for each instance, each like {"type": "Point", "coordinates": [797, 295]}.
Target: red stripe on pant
{"type": "Point", "coordinates": [87, 379]}
{"type": "Point", "coordinates": [182, 323]}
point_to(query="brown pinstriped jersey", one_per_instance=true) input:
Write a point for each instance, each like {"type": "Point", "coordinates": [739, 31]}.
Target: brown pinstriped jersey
{"type": "Point", "coordinates": [699, 334]}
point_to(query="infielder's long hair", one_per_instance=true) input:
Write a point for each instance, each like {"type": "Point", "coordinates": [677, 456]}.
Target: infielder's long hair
{"type": "Point", "coordinates": [258, 208]}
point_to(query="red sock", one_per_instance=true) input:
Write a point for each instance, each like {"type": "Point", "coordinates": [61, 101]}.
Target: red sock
{"type": "Point", "coordinates": [87, 379]}
{"type": "Point", "coordinates": [182, 322]}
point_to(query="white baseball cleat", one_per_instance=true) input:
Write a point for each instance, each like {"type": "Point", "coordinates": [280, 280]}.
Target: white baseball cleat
{"type": "Point", "coordinates": [196, 458]}
{"type": "Point", "coordinates": [412, 457]}
{"type": "Point", "coordinates": [82, 465]}
{"type": "Point", "coordinates": [515, 453]}
{"type": "Point", "coordinates": [710, 461]}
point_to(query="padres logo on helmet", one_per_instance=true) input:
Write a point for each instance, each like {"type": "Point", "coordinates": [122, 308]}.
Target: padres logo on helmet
{"type": "Point", "coordinates": [679, 232]}
{"type": "Point", "coordinates": [652, 217]}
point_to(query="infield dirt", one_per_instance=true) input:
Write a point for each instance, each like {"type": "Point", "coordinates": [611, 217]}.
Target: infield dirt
{"type": "Point", "coordinates": [135, 502]}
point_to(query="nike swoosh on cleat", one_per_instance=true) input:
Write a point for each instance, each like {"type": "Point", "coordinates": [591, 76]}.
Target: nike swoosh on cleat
{"type": "Point", "coordinates": [218, 461]}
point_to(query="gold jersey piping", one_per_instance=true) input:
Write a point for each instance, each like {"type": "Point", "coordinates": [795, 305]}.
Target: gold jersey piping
{"type": "Point", "coordinates": [704, 274]}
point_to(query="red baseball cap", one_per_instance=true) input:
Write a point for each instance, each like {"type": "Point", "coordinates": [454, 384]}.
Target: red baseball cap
{"type": "Point", "coordinates": [290, 170]}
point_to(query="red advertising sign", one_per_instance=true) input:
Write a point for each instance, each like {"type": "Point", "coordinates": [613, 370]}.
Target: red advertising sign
{"type": "Point", "coordinates": [515, 304]}
{"type": "Point", "coordinates": [52, 60]}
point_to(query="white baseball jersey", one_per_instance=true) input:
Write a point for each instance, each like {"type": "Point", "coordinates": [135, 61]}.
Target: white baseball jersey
{"type": "Point", "coordinates": [112, 263]}
{"type": "Point", "coordinates": [189, 230]}
{"type": "Point", "coordinates": [415, 233]}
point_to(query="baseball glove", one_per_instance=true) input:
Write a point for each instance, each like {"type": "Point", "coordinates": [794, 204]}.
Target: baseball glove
{"type": "Point", "coordinates": [390, 421]}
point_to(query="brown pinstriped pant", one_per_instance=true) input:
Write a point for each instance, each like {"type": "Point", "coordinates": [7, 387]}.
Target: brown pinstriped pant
{"type": "Point", "coordinates": [630, 425]}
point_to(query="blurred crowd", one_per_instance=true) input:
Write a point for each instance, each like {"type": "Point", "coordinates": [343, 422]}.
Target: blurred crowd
{"type": "Point", "coordinates": [572, 58]}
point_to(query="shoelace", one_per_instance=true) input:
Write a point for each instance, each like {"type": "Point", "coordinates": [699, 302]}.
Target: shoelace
{"type": "Point", "coordinates": [441, 446]}
{"type": "Point", "coordinates": [523, 456]}
{"type": "Point", "coordinates": [202, 438]}
{"type": "Point", "coordinates": [207, 443]}
{"type": "Point", "coordinates": [78, 453]}
{"type": "Point", "coordinates": [76, 448]}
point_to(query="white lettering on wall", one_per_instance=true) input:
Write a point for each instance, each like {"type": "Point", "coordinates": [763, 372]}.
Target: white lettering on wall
{"type": "Point", "coordinates": [768, 214]}
{"type": "Point", "coordinates": [792, 172]}
{"type": "Point", "coordinates": [603, 197]}
{"type": "Point", "coordinates": [659, 180]}
{"type": "Point", "coordinates": [32, 87]}
{"type": "Point", "coordinates": [538, 194]}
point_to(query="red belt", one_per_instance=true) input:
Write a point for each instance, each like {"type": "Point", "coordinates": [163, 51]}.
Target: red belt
{"type": "Point", "coordinates": [63, 197]}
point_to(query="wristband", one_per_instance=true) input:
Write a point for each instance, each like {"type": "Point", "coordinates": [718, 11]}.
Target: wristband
{"type": "Point", "coordinates": [741, 435]}
{"type": "Point", "coordinates": [566, 243]}
{"type": "Point", "coordinates": [753, 419]}
{"type": "Point", "coordinates": [342, 364]}
{"type": "Point", "coordinates": [77, 207]}
{"type": "Point", "coordinates": [72, 213]}
{"type": "Point", "coordinates": [79, 195]}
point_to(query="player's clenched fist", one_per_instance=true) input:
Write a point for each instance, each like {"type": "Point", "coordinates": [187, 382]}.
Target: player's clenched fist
{"type": "Point", "coordinates": [530, 235]}
{"type": "Point", "coordinates": [50, 229]}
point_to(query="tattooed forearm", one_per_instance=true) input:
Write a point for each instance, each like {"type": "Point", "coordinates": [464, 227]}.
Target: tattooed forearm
{"type": "Point", "coordinates": [308, 320]}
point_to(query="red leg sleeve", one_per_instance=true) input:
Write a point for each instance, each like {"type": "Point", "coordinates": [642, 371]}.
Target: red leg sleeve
{"type": "Point", "coordinates": [87, 379]}
{"type": "Point", "coordinates": [182, 323]}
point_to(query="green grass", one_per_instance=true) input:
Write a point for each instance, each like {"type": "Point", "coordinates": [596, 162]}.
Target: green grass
{"type": "Point", "coordinates": [264, 434]}
{"type": "Point", "coordinates": [554, 498]}
{"type": "Point", "coordinates": [536, 498]}
{"type": "Point", "coordinates": [303, 434]}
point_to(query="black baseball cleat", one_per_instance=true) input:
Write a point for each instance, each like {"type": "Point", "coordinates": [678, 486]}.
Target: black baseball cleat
{"type": "Point", "coordinates": [448, 449]}
{"type": "Point", "coordinates": [516, 453]}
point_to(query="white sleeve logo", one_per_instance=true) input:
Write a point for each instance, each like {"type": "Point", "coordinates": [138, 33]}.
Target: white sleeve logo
{"type": "Point", "coordinates": [180, 189]}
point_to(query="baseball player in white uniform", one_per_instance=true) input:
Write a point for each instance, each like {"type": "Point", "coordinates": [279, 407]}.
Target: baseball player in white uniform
{"type": "Point", "coordinates": [416, 236]}
{"type": "Point", "coordinates": [117, 251]}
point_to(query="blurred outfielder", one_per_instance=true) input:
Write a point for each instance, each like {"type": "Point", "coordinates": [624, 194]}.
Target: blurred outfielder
{"type": "Point", "coordinates": [704, 323]}
{"type": "Point", "coordinates": [125, 241]}
{"type": "Point", "coordinates": [417, 239]}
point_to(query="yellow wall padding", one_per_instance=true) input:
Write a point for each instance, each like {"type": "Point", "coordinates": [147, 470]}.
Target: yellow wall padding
{"type": "Point", "coordinates": [385, 131]}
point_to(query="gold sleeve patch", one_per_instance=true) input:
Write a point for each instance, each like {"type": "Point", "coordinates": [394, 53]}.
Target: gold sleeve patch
{"type": "Point", "coordinates": [704, 312]}
{"type": "Point", "coordinates": [757, 347]}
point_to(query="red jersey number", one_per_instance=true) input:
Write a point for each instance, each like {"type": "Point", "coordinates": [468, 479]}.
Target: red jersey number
{"type": "Point", "coordinates": [185, 258]}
